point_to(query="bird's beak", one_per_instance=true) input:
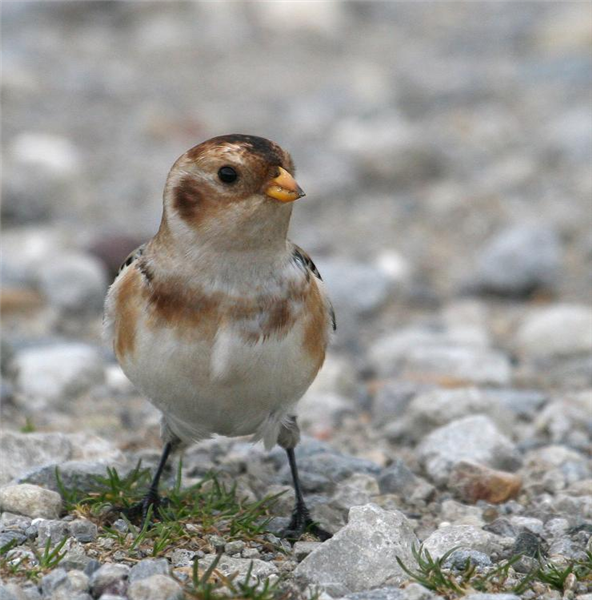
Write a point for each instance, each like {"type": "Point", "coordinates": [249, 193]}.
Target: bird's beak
{"type": "Point", "coordinates": [284, 187]}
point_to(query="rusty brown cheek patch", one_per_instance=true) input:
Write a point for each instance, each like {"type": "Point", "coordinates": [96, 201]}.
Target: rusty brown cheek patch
{"type": "Point", "coordinates": [188, 201]}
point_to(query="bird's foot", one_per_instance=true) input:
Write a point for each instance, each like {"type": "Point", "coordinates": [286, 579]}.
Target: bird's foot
{"type": "Point", "coordinates": [301, 523]}
{"type": "Point", "coordinates": [149, 508]}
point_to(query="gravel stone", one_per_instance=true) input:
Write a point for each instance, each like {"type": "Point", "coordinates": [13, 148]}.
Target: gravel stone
{"type": "Point", "coordinates": [234, 547]}
{"type": "Point", "coordinates": [303, 549]}
{"type": "Point", "coordinates": [464, 536]}
{"type": "Point", "coordinates": [74, 283]}
{"type": "Point", "coordinates": [60, 371]}
{"type": "Point", "coordinates": [147, 568]}
{"type": "Point", "coordinates": [474, 439]}
{"type": "Point", "coordinates": [84, 531]}
{"type": "Point", "coordinates": [397, 478]}
{"type": "Point", "coordinates": [362, 554]}
{"type": "Point", "coordinates": [559, 330]}
{"type": "Point", "coordinates": [458, 559]}
{"type": "Point", "coordinates": [155, 587]}
{"type": "Point", "coordinates": [31, 501]}
{"type": "Point", "coordinates": [491, 597]}
{"type": "Point", "coordinates": [52, 581]}
{"type": "Point", "coordinates": [472, 482]}
{"type": "Point", "coordinates": [110, 578]}
{"type": "Point", "coordinates": [54, 530]}
{"type": "Point", "coordinates": [229, 565]}
{"type": "Point", "coordinates": [519, 260]}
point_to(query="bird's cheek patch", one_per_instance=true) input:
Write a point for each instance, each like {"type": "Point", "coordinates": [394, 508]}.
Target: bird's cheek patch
{"type": "Point", "coordinates": [187, 199]}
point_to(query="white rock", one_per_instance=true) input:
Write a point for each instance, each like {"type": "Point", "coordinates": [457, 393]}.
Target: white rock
{"type": "Point", "coordinates": [558, 330]}
{"type": "Point", "coordinates": [462, 536]}
{"type": "Point", "coordinates": [363, 554]}
{"type": "Point", "coordinates": [31, 501]}
{"type": "Point", "coordinates": [40, 150]}
{"type": "Point", "coordinates": [474, 438]}
{"type": "Point", "coordinates": [60, 371]}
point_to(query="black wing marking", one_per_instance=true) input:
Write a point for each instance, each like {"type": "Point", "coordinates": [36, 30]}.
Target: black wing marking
{"type": "Point", "coordinates": [133, 256]}
{"type": "Point", "coordinates": [305, 261]}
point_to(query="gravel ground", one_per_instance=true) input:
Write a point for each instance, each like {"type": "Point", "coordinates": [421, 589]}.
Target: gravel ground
{"type": "Point", "coordinates": [445, 149]}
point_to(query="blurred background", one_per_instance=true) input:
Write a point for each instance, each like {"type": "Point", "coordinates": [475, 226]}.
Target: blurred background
{"type": "Point", "coordinates": [445, 149]}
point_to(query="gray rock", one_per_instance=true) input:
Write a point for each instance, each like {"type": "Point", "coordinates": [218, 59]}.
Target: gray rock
{"type": "Point", "coordinates": [558, 330]}
{"type": "Point", "coordinates": [519, 260]}
{"type": "Point", "coordinates": [321, 471]}
{"type": "Point", "coordinates": [23, 451]}
{"type": "Point", "coordinates": [435, 408]}
{"type": "Point", "coordinates": [491, 597]}
{"type": "Point", "coordinates": [53, 530]}
{"type": "Point", "coordinates": [229, 565]}
{"type": "Point", "coordinates": [155, 587]}
{"type": "Point", "coordinates": [474, 439]}
{"type": "Point", "coordinates": [148, 567]}
{"type": "Point", "coordinates": [523, 403]}
{"type": "Point", "coordinates": [12, 536]}
{"type": "Point", "coordinates": [83, 531]}
{"type": "Point", "coordinates": [457, 364]}
{"type": "Point", "coordinates": [384, 593]}
{"type": "Point", "coordinates": [74, 283]}
{"type": "Point", "coordinates": [52, 581]}
{"type": "Point", "coordinates": [110, 578]}
{"type": "Point", "coordinates": [389, 353]}
{"type": "Point", "coordinates": [60, 371]}
{"type": "Point", "coordinates": [31, 501]}
{"type": "Point", "coordinates": [235, 547]}
{"type": "Point", "coordinates": [11, 521]}
{"type": "Point", "coordinates": [355, 287]}
{"type": "Point", "coordinates": [31, 592]}
{"type": "Point", "coordinates": [397, 478]}
{"type": "Point", "coordinates": [303, 549]}
{"type": "Point", "coordinates": [464, 537]}
{"type": "Point", "coordinates": [459, 558]}
{"type": "Point", "coordinates": [74, 474]}
{"type": "Point", "coordinates": [363, 554]}
{"type": "Point", "coordinates": [6, 593]}
{"type": "Point", "coordinates": [392, 399]}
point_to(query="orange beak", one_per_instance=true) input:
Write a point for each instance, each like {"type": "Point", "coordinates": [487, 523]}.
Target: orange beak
{"type": "Point", "coordinates": [284, 187]}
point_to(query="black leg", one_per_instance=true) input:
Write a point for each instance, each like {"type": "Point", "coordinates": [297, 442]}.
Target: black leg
{"type": "Point", "coordinates": [152, 499]}
{"type": "Point", "coordinates": [301, 522]}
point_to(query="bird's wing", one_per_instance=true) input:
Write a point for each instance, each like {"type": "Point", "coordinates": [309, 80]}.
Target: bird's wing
{"type": "Point", "coordinates": [306, 262]}
{"type": "Point", "coordinates": [132, 257]}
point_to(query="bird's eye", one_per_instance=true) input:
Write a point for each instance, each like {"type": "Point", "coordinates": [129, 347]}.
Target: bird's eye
{"type": "Point", "coordinates": [227, 175]}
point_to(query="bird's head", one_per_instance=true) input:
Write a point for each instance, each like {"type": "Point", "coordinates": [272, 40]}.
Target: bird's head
{"type": "Point", "coordinates": [231, 192]}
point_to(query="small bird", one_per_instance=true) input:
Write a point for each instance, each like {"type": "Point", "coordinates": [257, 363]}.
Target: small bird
{"type": "Point", "coordinates": [219, 319]}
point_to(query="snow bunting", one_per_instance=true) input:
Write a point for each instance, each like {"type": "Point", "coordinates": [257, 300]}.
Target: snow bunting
{"type": "Point", "coordinates": [219, 319]}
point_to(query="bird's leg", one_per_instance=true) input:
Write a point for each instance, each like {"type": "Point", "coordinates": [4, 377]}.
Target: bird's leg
{"type": "Point", "coordinates": [152, 498]}
{"type": "Point", "coordinates": [301, 522]}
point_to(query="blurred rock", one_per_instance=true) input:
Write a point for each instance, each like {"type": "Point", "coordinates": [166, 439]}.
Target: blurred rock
{"type": "Point", "coordinates": [472, 482]}
{"type": "Point", "coordinates": [432, 409]}
{"type": "Point", "coordinates": [59, 372]}
{"type": "Point", "coordinates": [363, 554]}
{"type": "Point", "coordinates": [461, 536]}
{"type": "Point", "coordinates": [147, 568]}
{"type": "Point", "coordinates": [51, 153]}
{"type": "Point", "coordinates": [556, 331]}
{"type": "Point", "coordinates": [456, 365]}
{"type": "Point", "coordinates": [31, 501]}
{"type": "Point", "coordinates": [156, 587]}
{"type": "Point", "coordinates": [74, 283]}
{"type": "Point", "coordinates": [320, 414]}
{"type": "Point", "coordinates": [109, 578]}
{"type": "Point", "coordinates": [24, 452]}
{"type": "Point", "coordinates": [474, 439]}
{"type": "Point", "coordinates": [83, 530]}
{"type": "Point", "coordinates": [518, 261]}
{"type": "Point", "coordinates": [229, 565]}
{"type": "Point", "coordinates": [338, 376]}
{"type": "Point", "coordinates": [355, 287]}
{"type": "Point", "coordinates": [389, 353]}
{"type": "Point", "coordinates": [392, 399]}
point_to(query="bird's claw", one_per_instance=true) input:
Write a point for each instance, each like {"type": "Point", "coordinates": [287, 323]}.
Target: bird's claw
{"type": "Point", "coordinates": [147, 509]}
{"type": "Point", "coordinates": [301, 523]}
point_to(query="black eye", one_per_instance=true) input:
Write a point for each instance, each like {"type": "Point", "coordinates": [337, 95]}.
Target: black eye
{"type": "Point", "coordinates": [227, 174]}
